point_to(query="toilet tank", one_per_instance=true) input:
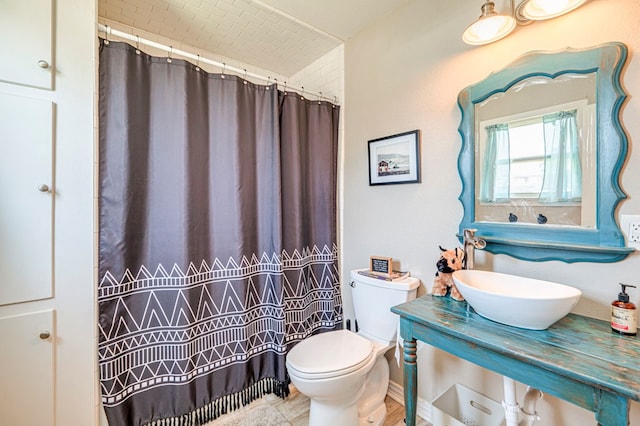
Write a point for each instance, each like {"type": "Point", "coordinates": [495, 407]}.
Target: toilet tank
{"type": "Point", "coordinates": [372, 301]}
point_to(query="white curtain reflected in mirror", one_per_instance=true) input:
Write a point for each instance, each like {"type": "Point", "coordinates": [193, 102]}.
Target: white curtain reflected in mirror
{"type": "Point", "coordinates": [562, 171]}
{"type": "Point", "coordinates": [496, 165]}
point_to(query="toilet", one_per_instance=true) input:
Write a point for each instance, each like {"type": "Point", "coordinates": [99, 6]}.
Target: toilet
{"type": "Point", "coordinates": [345, 374]}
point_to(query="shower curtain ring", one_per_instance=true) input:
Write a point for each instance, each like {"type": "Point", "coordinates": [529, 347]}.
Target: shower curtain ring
{"type": "Point", "coordinates": [137, 44]}
{"type": "Point", "coordinates": [224, 67]}
{"type": "Point", "coordinates": [106, 34]}
{"type": "Point", "coordinates": [198, 63]}
{"type": "Point", "coordinates": [169, 60]}
{"type": "Point", "coordinates": [302, 95]}
{"type": "Point", "coordinates": [245, 76]}
{"type": "Point", "coordinates": [284, 89]}
{"type": "Point", "coordinates": [320, 98]}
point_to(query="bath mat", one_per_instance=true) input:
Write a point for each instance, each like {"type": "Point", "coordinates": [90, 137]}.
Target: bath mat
{"type": "Point", "coordinates": [263, 415]}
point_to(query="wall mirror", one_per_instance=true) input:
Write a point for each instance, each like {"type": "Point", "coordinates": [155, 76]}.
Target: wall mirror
{"type": "Point", "coordinates": [542, 149]}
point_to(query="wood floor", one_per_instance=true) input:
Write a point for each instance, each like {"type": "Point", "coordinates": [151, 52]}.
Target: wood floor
{"type": "Point", "coordinates": [294, 411]}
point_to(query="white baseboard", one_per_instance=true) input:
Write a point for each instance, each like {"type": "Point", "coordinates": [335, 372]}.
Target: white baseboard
{"type": "Point", "coordinates": [423, 408]}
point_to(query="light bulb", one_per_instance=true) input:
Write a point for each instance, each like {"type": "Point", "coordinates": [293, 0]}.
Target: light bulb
{"type": "Point", "coordinates": [489, 29]}
{"type": "Point", "coordinates": [547, 9]}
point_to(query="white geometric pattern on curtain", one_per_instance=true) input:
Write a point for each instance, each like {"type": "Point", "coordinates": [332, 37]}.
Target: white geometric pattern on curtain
{"type": "Point", "coordinates": [217, 237]}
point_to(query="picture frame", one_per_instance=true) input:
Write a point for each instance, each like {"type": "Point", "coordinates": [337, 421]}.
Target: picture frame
{"type": "Point", "coordinates": [395, 159]}
{"type": "Point", "coordinates": [381, 265]}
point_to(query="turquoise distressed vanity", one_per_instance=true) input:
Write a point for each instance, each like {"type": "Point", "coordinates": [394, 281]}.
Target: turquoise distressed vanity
{"type": "Point", "coordinates": [577, 359]}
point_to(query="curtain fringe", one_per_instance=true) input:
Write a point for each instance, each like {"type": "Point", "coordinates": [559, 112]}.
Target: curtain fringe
{"type": "Point", "coordinates": [228, 403]}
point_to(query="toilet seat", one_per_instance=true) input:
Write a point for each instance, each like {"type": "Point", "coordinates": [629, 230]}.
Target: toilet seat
{"type": "Point", "coordinates": [330, 354]}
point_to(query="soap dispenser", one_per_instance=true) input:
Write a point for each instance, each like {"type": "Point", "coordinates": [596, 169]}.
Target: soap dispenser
{"type": "Point", "coordinates": [624, 318]}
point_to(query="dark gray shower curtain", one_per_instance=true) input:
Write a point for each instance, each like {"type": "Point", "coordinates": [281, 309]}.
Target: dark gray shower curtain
{"type": "Point", "coordinates": [217, 237]}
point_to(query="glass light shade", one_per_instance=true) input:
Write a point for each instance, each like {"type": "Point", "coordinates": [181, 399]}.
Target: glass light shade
{"type": "Point", "coordinates": [488, 29]}
{"type": "Point", "coordinates": [538, 10]}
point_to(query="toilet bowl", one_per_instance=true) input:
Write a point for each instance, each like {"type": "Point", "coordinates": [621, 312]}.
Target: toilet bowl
{"type": "Point", "coordinates": [345, 374]}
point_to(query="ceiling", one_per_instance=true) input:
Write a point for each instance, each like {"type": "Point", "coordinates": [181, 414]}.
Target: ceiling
{"type": "Point", "coordinates": [282, 36]}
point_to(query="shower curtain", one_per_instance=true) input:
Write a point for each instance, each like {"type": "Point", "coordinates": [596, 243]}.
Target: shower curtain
{"type": "Point", "coordinates": [217, 237]}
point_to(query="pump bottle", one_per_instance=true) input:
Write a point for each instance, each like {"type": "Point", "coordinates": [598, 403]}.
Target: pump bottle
{"type": "Point", "coordinates": [624, 319]}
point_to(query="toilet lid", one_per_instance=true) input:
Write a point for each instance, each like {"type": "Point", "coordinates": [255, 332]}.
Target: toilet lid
{"type": "Point", "coordinates": [330, 354]}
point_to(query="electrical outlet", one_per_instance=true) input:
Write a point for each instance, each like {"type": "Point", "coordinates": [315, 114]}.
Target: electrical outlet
{"type": "Point", "coordinates": [634, 232]}
{"type": "Point", "coordinates": [630, 225]}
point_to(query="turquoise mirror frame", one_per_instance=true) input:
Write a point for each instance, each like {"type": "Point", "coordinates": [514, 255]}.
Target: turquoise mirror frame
{"type": "Point", "coordinates": [602, 243]}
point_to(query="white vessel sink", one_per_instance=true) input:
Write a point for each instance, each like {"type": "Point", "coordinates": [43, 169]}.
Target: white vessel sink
{"type": "Point", "coordinates": [516, 301]}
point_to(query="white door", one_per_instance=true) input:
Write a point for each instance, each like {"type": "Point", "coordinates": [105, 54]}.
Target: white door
{"type": "Point", "coordinates": [26, 191]}
{"type": "Point", "coordinates": [26, 368]}
{"type": "Point", "coordinates": [25, 42]}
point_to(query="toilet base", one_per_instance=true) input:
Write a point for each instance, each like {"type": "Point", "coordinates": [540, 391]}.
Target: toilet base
{"type": "Point", "coordinates": [344, 416]}
{"type": "Point", "coordinates": [376, 418]}
{"type": "Point", "coordinates": [371, 407]}
{"type": "Point", "coordinates": [321, 414]}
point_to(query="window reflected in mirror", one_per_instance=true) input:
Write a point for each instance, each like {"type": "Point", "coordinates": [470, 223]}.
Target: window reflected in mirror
{"type": "Point", "coordinates": [535, 163]}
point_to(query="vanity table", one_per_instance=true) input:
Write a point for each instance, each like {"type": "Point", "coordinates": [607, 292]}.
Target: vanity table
{"type": "Point", "coordinates": [577, 359]}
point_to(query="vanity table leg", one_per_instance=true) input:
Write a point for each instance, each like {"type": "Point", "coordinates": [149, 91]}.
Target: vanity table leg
{"type": "Point", "coordinates": [611, 410]}
{"type": "Point", "coordinates": [410, 374]}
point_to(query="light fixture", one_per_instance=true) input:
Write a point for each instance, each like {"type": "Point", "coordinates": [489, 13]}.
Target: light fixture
{"type": "Point", "coordinates": [538, 10]}
{"type": "Point", "coordinates": [492, 26]}
{"type": "Point", "coordinates": [489, 27]}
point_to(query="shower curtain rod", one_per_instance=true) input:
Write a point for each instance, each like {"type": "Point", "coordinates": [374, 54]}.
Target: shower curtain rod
{"type": "Point", "coordinates": [199, 59]}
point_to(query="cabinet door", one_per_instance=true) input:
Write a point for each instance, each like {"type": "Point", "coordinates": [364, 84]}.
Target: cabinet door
{"type": "Point", "coordinates": [26, 368]}
{"type": "Point", "coordinates": [25, 42]}
{"type": "Point", "coordinates": [26, 194]}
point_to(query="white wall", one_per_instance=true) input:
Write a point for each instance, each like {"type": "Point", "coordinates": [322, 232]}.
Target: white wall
{"type": "Point", "coordinates": [325, 75]}
{"type": "Point", "coordinates": [405, 73]}
{"type": "Point", "coordinates": [76, 392]}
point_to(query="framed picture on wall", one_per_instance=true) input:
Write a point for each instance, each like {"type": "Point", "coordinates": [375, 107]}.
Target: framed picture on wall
{"type": "Point", "coordinates": [395, 159]}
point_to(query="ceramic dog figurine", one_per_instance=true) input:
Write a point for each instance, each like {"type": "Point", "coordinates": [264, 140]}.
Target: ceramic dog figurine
{"type": "Point", "coordinates": [449, 261]}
